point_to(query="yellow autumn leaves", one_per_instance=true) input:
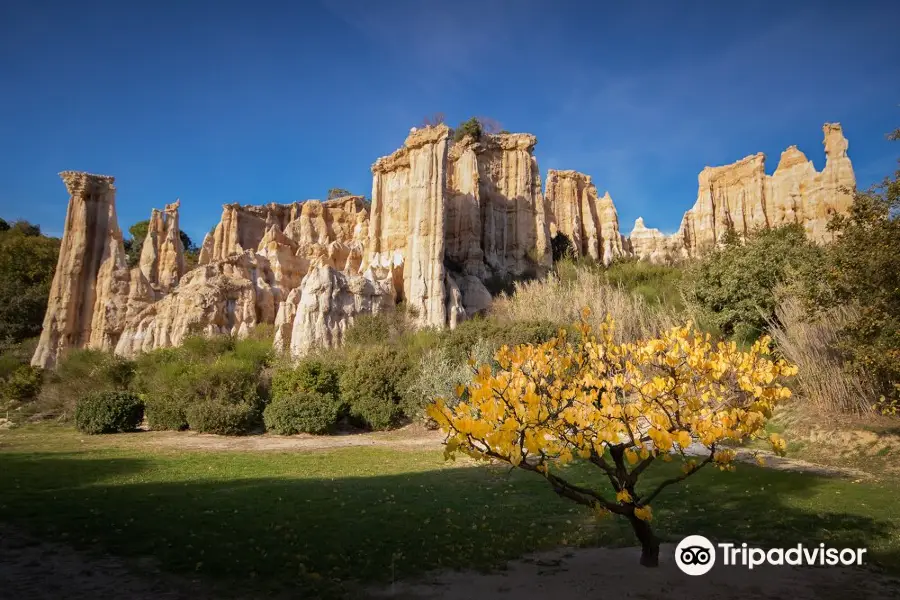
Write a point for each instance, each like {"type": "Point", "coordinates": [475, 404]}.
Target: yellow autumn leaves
{"type": "Point", "coordinates": [581, 394]}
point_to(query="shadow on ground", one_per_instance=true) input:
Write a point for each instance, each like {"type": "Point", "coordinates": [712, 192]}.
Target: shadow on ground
{"type": "Point", "coordinates": [308, 537]}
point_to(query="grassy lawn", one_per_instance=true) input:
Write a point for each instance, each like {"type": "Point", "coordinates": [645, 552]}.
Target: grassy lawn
{"type": "Point", "coordinates": [321, 520]}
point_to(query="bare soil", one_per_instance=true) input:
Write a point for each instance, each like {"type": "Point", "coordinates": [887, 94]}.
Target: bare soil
{"type": "Point", "coordinates": [602, 573]}
{"type": "Point", "coordinates": [33, 569]}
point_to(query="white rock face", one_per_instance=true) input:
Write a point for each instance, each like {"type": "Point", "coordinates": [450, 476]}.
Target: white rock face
{"type": "Point", "coordinates": [328, 303]}
{"type": "Point", "coordinates": [221, 297]}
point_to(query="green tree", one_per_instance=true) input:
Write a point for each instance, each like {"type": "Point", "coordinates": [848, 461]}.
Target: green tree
{"type": "Point", "coordinates": [734, 287]}
{"type": "Point", "coordinates": [470, 127]}
{"type": "Point", "coordinates": [138, 233]}
{"type": "Point", "coordinates": [337, 193]}
{"type": "Point", "coordinates": [27, 262]}
{"type": "Point", "coordinates": [863, 268]}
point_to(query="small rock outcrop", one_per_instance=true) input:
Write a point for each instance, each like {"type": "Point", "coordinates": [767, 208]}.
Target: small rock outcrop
{"type": "Point", "coordinates": [328, 303]}
{"type": "Point", "coordinates": [591, 223]}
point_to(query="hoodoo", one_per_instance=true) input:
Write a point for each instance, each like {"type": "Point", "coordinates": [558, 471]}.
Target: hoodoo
{"type": "Point", "coordinates": [446, 217]}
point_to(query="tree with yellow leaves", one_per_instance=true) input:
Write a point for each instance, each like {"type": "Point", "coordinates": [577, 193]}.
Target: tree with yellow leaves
{"type": "Point", "coordinates": [620, 407]}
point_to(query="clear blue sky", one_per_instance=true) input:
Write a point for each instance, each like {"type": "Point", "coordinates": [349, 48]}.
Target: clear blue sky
{"type": "Point", "coordinates": [254, 102]}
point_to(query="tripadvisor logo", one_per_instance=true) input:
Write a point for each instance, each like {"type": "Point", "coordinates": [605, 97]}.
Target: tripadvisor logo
{"type": "Point", "coordinates": [696, 555]}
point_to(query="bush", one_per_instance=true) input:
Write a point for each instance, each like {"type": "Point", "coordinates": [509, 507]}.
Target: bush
{"type": "Point", "coordinates": [306, 411]}
{"type": "Point", "coordinates": [166, 412]}
{"type": "Point", "coordinates": [80, 373]}
{"type": "Point", "coordinates": [378, 328]}
{"type": "Point", "coordinates": [311, 374]}
{"type": "Point", "coordinates": [21, 385]}
{"type": "Point", "coordinates": [657, 284]}
{"type": "Point", "coordinates": [108, 412]}
{"type": "Point", "coordinates": [371, 383]}
{"type": "Point", "coordinates": [862, 269]}
{"type": "Point", "coordinates": [205, 370]}
{"type": "Point", "coordinates": [459, 342]}
{"type": "Point", "coordinates": [471, 127]}
{"type": "Point", "coordinates": [221, 417]}
{"type": "Point", "coordinates": [733, 288]}
{"type": "Point", "coordinates": [437, 375]}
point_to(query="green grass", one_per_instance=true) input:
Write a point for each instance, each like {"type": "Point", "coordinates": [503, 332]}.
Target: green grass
{"type": "Point", "coordinates": [331, 520]}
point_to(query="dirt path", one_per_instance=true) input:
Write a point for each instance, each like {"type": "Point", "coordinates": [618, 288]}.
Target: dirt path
{"type": "Point", "coordinates": [411, 437]}
{"type": "Point", "coordinates": [602, 573]}
{"type": "Point", "coordinates": [32, 569]}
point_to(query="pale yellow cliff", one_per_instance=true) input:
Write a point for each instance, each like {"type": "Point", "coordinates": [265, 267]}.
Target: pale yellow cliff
{"type": "Point", "coordinates": [590, 222]}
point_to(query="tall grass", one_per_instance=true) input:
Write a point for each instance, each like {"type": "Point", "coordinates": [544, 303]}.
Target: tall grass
{"type": "Point", "coordinates": [560, 301]}
{"type": "Point", "coordinates": [823, 378]}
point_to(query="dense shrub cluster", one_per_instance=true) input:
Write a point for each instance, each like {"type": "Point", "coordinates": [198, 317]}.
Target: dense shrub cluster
{"type": "Point", "coordinates": [108, 412]}
{"type": "Point", "coordinates": [303, 411]}
{"type": "Point", "coordinates": [209, 384]}
{"type": "Point", "coordinates": [734, 287]}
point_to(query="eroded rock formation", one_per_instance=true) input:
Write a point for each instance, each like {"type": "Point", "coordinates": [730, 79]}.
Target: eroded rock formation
{"type": "Point", "coordinates": [227, 296]}
{"type": "Point", "coordinates": [328, 303]}
{"type": "Point", "coordinates": [162, 255]}
{"type": "Point", "coordinates": [742, 197]}
{"type": "Point", "coordinates": [446, 218]}
{"type": "Point", "coordinates": [591, 223]}
{"type": "Point", "coordinates": [87, 278]}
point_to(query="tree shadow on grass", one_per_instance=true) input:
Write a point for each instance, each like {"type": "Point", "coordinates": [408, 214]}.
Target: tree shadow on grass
{"type": "Point", "coordinates": [316, 536]}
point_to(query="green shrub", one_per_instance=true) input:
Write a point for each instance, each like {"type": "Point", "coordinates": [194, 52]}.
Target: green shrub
{"type": "Point", "coordinates": [734, 287]}
{"type": "Point", "coordinates": [459, 342]}
{"type": "Point", "coordinates": [108, 412]}
{"type": "Point", "coordinates": [471, 127]}
{"type": "Point", "coordinates": [378, 328]}
{"type": "Point", "coordinates": [371, 383]}
{"type": "Point", "coordinates": [213, 370]}
{"type": "Point", "coordinates": [306, 411]}
{"type": "Point", "coordinates": [257, 348]}
{"type": "Point", "coordinates": [310, 374]}
{"type": "Point", "coordinates": [22, 385]}
{"type": "Point", "coordinates": [657, 284]}
{"type": "Point", "coordinates": [222, 417]}
{"type": "Point", "coordinates": [80, 373]}
{"type": "Point", "coordinates": [166, 412]}
{"type": "Point", "coordinates": [95, 370]}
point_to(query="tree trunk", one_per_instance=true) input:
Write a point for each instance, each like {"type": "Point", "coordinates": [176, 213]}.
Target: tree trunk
{"type": "Point", "coordinates": [649, 543]}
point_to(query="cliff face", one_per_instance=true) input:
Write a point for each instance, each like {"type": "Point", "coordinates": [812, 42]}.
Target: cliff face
{"type": "Point", "coordinates": [497, 219]}
{"type": "Point", "coordinates": [406, 227]}
{"type": "Point", "coordinates": [445, 219]}
{"type": "Point", "coordinates": [590, 222]}
{"type": "Point", "coordinates": [86, 280]}
{"type": "Point", "coordinates": [227, 296]}
{"type": "Point", "coordinates": [742, 197]}
{"type": "Point", "coordinates": [162, 255]}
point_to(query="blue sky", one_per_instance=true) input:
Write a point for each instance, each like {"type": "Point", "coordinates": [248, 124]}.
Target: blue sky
{"type": "Point", "coordinates": [217, 102]}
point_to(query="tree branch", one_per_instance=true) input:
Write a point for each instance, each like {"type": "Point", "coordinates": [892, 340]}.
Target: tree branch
{"type": "Point", "coordinates": [681, 477]}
